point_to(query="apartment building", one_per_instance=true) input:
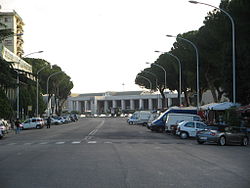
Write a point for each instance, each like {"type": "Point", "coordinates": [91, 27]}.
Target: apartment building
{"type": "Point", "coordinates": [11, 20]}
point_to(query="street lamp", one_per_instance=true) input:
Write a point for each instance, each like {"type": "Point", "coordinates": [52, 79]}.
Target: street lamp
{"type": "Point", "coordinates": [197, 67]}
{"type": "Point", "coordinates": [156, 79]}
{"type": "Point", "coordinates": [233, 44]}
{"type": "Point", "coordinates": [179, 62]}
{"type": "Point", "coordinates": [150, 83]}
{"type": "Point", "coordinates": [53, 74]}
{"type": "Point", "coordinates": [165, 72]}
{"type": "Point", "coordinates": [37, 103]}
{"type": "Point", "coordinates": [18, 89]}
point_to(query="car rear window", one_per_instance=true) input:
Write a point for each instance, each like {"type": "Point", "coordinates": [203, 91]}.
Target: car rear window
{"type": "Point", "coordinates": [189, 124]}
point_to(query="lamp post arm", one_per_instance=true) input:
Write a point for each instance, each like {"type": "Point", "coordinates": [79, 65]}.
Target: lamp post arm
{"type": "Point", "coordinates": [55, 73]}
{"type": "Point", "coordinates": [156, 79]}
{"type": "Point", "coordinates": [32, 53]}
{"type": "Point", "coordinates": [164, 73]}
{"type": "Point", "coordinates": [150, 83]}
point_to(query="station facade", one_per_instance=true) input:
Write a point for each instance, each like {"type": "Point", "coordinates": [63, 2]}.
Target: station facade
{"type": "Point", "coordinates": [102, 103]}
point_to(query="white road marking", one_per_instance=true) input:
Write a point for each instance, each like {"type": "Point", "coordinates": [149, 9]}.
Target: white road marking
{"type": "Point", "coordinates": [76, 142]}
{"type": "Point", "coordinates": [60, 142]}
{"type": "Point", "coordinates": [93, 132]}
{"type": "Point", "coordinates": [43, 143]}
{"type": "Point", "coordinates": [27, 143]}
{"type": "Point", "coordinates": [108, 142]}
{"type": "Point", "coordinates": [91, 142]}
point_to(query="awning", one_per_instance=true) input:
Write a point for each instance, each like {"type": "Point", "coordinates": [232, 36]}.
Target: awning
{"type": "Point", "coordinates": [218, 106]}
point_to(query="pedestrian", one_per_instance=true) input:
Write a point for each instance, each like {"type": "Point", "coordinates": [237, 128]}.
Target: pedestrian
{"type": "Point", "coordinates": [17, 124]}
{"type": "Point", "coordinates": [48, 122]}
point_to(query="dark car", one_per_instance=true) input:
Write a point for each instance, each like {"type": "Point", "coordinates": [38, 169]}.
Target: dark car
{"type": "Point", "coordinates": [223, 135]}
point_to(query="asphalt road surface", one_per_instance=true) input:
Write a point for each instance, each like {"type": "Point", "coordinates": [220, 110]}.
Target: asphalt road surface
{"type": "Point", "coordinates": [109, 153]}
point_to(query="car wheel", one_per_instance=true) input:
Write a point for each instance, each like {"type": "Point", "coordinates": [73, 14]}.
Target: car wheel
{"type": "Point", "coordinates": [130, 123]}
{"type": "Point", "coordinates": [244, 141]}
{"type": "Point", "coordinates": [222, 141]}
{"type": "Point", "coordinates": [161, 129]}
{"type": "Point", "coordinates": [200, 142]}
{"type": "Point", "coordinates": [184, 135]}
{"type": "Point", "coordinates": [38, 126]}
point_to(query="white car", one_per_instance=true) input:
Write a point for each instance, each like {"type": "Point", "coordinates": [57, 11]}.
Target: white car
{"type": "Point", "coordinates": [187, 129]}
{"type": "Point", "coordinates": [4, 126]}
{"type": "Point", "coordinates": [55, 121]}
{"type": "Point", "coordinates": [35, 122]}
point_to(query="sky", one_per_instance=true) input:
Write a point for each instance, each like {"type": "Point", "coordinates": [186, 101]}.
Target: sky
{"type": "Point", "coordinates": [103, 44]}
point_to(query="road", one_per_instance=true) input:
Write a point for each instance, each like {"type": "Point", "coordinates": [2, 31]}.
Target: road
{"type": "Point", "coordinates": [107, 153]}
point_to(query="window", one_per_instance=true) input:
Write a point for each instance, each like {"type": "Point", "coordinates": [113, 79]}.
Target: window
{"type": "Point", "coordinates": [196, 118]}
{"type": "Point", "coordinates": [7, 42]}
{"type": "Point", "coordinates": [189, 124]}
{"type": "Point", "coordinates": [200, 125]}
{"type": "Point", "coordinates": [6, 19]}
{"type": "Point", "coordinates": [33, 120]}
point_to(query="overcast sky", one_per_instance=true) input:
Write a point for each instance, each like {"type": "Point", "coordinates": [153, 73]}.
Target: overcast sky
{"type": "Point", "coordinates": [102, 44]}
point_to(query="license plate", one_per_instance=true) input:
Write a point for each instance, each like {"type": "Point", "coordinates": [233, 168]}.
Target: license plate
{"type": "Point", "coordinates": [203, 138]}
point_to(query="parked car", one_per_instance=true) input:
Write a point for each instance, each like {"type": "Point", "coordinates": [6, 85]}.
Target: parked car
{"type": "Point", "coordinates": [174, 118]}
{"type": "Point", "coordinates": [1, 134]}
{"type": "Point", "coordinates": [139, 117]}
{"type": "Point", "coordinates": [224, 135]}
{"type": "Point", "coordinates": [187, 129]}
{"type": "Point", "coordinates": [159, 123]}
{"type": "Point", "coordinates": [55, 121]}
{"type": "Point", "coordinates": [4, 126]}
{"type": "Point", "coordinates": [35, 122]}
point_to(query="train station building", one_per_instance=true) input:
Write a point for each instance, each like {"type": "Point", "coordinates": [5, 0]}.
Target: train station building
{"type": "Point", "coordinates": [102, 103]}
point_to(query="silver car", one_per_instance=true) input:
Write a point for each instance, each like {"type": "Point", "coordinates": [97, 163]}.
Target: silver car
{"type": "Point", "coordinates": [224, 135]}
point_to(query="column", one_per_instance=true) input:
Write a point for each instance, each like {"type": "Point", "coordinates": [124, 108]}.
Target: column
{"type": "Point", "coordinates": [114, 104]}
{"type": "Point", "coordinates": [141, 106]}
{"type": "Point", "coordinates": [150, 104]}
{"type": "Point", "coordinates": [132, 104]}
{"type": "Point", "coordinates": [123, 104]}
{"type": "Point", "coordinates": [77, 106]}
{"type": "Point", "coordinates": [86, 106]}
{"type": "Point", "coordinates": [105, 106]}
{"type": "Point", "coordinates": [159, 100]}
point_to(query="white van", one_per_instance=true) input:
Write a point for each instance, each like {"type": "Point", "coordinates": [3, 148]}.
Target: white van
{"type": "Point", "coordinates": [139, 117]}
{"type": "Point", "coordinates": [174, 118]}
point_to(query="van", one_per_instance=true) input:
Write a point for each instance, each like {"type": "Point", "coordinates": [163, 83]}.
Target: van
{"type": "Point", "coordinates": [174, 118]}
{"type": "Point", "coordinates": [159, 123]}
{"type": "Point", "coordinates": [139, 117]}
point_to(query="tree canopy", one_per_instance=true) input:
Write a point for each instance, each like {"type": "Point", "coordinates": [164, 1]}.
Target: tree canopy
{"type": "Point", "coordinates": [214, 43]}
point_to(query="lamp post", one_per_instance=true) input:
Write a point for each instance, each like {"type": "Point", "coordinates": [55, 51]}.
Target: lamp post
{"type": "Point", "coordinates": [165, 72]}
{"type": "Point", "coordinates": [18, 81]}
{"type": "Point", "coordinates": [37, 103]}
{"type": "Point", "coordinates": [197, 67]}
{"type": "Point", "coordinates": [150, 83]}
{"type": "Point", "coordinates": [233, 44]}
{"type": "Point", "coordinates": [53, 74]}
{"type": "Point", "coordinates": [179, 62]}
{"type": "Point", "coordinates": [156, 79]}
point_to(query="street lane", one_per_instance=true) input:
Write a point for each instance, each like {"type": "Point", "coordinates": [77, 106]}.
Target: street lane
{"type": "Point", "coordinates": [107, 152]}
